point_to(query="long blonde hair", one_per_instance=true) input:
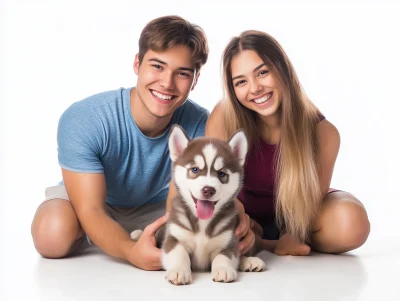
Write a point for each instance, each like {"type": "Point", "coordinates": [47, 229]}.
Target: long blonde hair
{"type": "Point", "coordinates": [297, 187]}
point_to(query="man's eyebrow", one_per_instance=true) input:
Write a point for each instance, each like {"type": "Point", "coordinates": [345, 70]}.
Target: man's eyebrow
{"type": "Point", "coordinates": [164, 63]}
{"type": "Point", "coordinates": [158, 61]}
{"type": "Point", "coordinates": [186, 69]}
{"type": "Point", "coordinates": [255, 69]}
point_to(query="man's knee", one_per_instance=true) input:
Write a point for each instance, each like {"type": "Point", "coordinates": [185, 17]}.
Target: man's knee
{"type": "Point", "coordinates": [55, 228]}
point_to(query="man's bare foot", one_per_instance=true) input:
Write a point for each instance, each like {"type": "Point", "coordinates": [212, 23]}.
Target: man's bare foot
{"type": "Point", "coordinates": [288, 245]}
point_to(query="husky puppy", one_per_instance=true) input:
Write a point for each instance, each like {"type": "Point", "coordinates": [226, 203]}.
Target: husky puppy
{"type": "Point", "coordinates": [199, 234]}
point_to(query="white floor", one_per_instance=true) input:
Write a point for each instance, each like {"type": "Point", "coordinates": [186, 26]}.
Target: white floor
{"type": "Point", "coordinates": [369, 273]}
{"type": "Point", "coordinates": [57, 52]}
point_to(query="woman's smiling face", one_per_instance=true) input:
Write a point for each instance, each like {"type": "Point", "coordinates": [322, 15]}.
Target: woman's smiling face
{"type": "Point", "coordinates": [255, 86]}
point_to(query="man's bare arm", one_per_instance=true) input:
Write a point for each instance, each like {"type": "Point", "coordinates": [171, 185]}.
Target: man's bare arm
{"type": "Point", "coordinates": [87, 193]}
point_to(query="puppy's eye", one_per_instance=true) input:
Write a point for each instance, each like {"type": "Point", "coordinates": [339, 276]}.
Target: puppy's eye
{"type": "Point", "coordinates": [221, 174]}
{"type": "Point", "coordinates": [195, 170]}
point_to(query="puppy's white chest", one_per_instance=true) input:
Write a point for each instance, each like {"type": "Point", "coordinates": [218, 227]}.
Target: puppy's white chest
{"type": "Point", "coordinates": [201, 248]}
{"type": "Point", "coordinates": [206, 248]}
{"type": "Point", "coordinates": [201, 256]}
{"type": "Point", "coordinates": [201, 244]}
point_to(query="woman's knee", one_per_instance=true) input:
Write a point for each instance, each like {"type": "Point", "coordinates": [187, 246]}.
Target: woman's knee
{"type": "Point", "coordinates": [55, 228]}
{"type": "Point", "coordinates": [343, 224]}
{"type": "Point", "coordinates": [353, 225]}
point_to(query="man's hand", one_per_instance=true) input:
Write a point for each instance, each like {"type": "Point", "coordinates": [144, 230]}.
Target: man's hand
{"type": "Point", "coordinates": [243, 230]}
{"type": "Point", "coordinates": [144, 254]}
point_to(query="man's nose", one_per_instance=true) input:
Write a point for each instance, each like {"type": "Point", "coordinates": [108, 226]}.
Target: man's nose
{"type": "Point", "coordinates": [167, 80]}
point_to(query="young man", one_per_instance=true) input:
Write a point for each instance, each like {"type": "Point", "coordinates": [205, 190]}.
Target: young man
{"type": "Point", "coordinates": [113, 151]}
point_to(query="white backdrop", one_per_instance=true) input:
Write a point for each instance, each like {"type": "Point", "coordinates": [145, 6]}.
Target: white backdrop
{"type": "Point", "coordinates": [57, 52]}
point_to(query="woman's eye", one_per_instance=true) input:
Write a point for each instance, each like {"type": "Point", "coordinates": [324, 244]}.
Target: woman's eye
{"type": "Point", "coordinates": [221, 174]}
{"type": "Point", "coordinates": [240, 82]}
{"type": "Point", "coordinates": [195, 170]}
{"type": "Point", "coordinates": [263, 72]}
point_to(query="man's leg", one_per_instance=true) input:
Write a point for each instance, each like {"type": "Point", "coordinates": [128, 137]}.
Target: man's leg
{"type": "Point", "coordinates": [55, 229]}
{"type": "Point", "coordinates": [138, 218]}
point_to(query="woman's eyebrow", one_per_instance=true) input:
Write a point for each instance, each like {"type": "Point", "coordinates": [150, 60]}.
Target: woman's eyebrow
{"type": "Point", "coordinates": [255, 69]}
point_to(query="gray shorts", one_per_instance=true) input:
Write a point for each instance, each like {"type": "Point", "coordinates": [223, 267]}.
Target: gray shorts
{"type": "Point", "coordinates": [129, 218]}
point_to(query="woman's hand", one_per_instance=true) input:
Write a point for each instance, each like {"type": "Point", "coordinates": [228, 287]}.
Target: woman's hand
{"type": "Point", "coordinates": [243, 230]}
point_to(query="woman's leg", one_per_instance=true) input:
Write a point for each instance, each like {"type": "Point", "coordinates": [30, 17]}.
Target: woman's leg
{"type": "Point", "coordinates": [270, 239]}
{"type": "Point", "coordinates": [342, 224]}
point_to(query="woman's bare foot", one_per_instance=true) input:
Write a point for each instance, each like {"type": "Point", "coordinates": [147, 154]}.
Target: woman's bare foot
{"type": "Point", "coordinates": [288, 245]}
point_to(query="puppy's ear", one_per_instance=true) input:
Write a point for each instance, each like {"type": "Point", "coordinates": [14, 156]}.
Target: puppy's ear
{"type": "Point", "coordinates": [239, 146]}
{"type": "Point", "coordinates": [177, 142]}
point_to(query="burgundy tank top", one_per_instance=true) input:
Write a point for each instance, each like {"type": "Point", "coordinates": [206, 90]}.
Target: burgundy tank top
{"type": "Point", "coordinates": [258, 191]}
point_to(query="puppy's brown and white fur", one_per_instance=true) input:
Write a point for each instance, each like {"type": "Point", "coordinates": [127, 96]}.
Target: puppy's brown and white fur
{"type": "Point", "coordinates": [199, 234]}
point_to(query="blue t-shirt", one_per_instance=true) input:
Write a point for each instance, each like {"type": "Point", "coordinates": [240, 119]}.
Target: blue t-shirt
{"type": "Point", "coordinates": [99, 135]}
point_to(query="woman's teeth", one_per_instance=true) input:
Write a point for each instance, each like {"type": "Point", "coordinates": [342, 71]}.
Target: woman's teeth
{"type": "Point", "coordinates": [263, 99]}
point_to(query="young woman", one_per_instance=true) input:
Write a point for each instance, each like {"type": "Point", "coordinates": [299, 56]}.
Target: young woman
{"type": "Point", "coordinates": [293, 149]}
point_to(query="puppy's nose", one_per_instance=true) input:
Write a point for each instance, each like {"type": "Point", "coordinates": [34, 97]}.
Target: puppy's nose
{"type": "Point", "coordinates": [208, 191]}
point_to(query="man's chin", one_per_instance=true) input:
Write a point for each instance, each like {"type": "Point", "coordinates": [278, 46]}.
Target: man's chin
{"type": "Point", "coordinates": [163, 114]}
{"type": "Point", "coordinates": [161, 110]}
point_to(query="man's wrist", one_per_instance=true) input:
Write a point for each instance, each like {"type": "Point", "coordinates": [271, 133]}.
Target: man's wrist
{"type": "Point", "coordinates": [127, 250]}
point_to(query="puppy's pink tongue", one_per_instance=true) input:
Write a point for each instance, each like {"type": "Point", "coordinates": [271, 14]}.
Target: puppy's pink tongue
{"type": "Point", "coordinates": [204, 209]}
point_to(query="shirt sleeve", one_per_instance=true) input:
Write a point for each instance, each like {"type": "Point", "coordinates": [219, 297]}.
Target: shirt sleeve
{"type": "Point", "coordinates": [80, 137]}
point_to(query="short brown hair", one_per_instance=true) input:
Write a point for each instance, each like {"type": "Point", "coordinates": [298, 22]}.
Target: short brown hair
{"type": "Point", "coordinates": [169, 31]}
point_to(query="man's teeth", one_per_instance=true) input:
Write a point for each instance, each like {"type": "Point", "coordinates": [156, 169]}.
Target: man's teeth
{"type": "Point", "coordinates": [263, 99]}
{"type": "Point", "coordinates": [161, 96]}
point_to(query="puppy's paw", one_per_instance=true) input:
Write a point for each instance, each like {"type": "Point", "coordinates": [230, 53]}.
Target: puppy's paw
{"type": "Point", "coordinates": [135, 235]}
{"type": "Point", "coordinates": [179, 276]}
{"type": "Point", "coordinates": [251, 264]}
{"type": "Point", "coordinates": [224, 274]}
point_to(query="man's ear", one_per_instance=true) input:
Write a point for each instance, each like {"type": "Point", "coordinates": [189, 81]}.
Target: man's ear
{"type": "Point", "coordinates": [195, 81]}
{"type": "Point", "coordinates": [136, 64]}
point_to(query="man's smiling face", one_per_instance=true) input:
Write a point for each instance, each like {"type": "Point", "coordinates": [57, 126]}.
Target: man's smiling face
{"type": "Point", "coordinates": [165, 79]}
